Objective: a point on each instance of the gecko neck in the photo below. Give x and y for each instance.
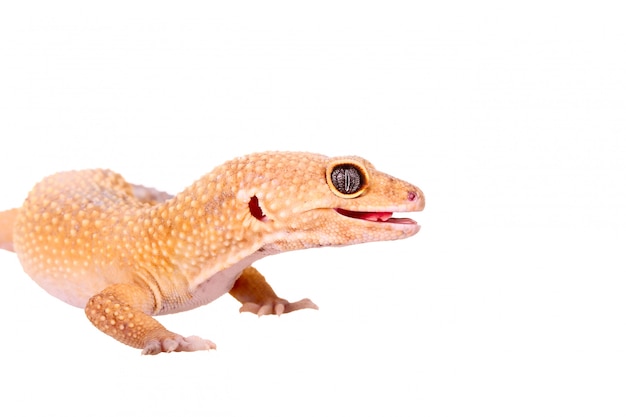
(203, 226)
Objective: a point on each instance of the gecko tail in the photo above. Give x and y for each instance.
(7, 222)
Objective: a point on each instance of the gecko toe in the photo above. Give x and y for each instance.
(277, 307)
(177, 344)
(300, 305)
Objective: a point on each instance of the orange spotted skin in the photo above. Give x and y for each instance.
(126, 253)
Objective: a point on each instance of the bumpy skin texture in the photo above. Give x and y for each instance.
(126, 253)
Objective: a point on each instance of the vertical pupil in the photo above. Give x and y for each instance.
(347, 179)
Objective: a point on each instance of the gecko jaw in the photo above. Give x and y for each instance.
(375, 216)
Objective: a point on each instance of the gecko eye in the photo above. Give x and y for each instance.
(346, 179)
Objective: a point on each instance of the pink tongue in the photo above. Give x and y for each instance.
(372, 216)
(376, 217)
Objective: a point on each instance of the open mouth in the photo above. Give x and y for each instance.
(374, 216)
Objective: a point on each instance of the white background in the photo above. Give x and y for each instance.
(509, 115)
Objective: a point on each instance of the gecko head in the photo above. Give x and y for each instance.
(309, 200)
(371, 197)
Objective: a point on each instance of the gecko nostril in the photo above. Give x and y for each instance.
(412, 196)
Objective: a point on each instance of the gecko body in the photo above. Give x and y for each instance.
(126, 253)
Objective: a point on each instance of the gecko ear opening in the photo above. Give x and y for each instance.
(346, 178)
(255, 209)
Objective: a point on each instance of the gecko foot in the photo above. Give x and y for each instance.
(276, 306)
(177, 343)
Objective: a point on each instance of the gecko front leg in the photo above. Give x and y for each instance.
(256, 296)
(120, 311)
